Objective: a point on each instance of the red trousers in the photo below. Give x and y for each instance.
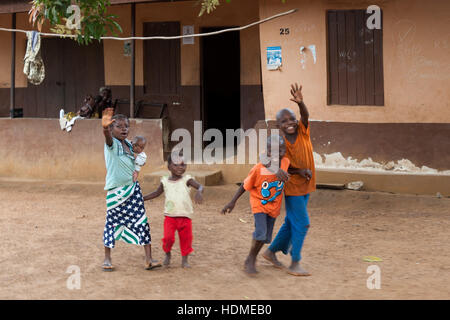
(184, 227)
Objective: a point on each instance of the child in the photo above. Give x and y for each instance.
(265, 188)
(125, 218)
(301, 183)
(104, 100)
(178, 207)
(87, 111)
(140, 157)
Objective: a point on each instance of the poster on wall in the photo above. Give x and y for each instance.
(187, 30)
(273, 58)
(127, 48)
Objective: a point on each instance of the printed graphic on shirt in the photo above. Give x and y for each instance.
(170, 206)
(266, 190)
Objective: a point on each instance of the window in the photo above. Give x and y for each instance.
(162, 59)
(355, 59)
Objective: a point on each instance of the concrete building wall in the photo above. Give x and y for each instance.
(416, 54)
(41, 150)
(5, 50)
(186, 12)
(5, 60)
(5, 54)
(117, 66)
(413, 124)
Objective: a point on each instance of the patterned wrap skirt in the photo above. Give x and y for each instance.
(126, 219)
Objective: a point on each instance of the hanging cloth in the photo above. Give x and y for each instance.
(33, 64)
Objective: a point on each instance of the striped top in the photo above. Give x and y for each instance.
(119, 195)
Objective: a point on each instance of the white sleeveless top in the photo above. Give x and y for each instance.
(178, 199)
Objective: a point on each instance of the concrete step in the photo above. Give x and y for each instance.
(335, 186)
(204, 177)
(395, 182)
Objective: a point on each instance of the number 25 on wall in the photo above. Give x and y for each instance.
(284, 31)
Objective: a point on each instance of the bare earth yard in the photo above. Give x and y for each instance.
(45, 227)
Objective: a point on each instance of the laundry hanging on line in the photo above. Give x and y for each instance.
(33, 63)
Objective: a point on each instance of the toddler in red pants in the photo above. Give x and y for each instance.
(178, 208)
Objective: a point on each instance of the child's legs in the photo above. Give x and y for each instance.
(185, 235)
(108, 240)
(283, 237)
(107, 254)
(299, 222)
(170, 226)
(263, 227)
(108, 233)
(148, 252)
(270, 223)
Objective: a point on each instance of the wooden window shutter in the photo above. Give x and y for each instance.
(162, 59)
(355, 59)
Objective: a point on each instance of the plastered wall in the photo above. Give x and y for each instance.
(41, 150)
(416, 54)
(117, 66)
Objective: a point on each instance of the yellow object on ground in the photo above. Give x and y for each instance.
(372, 259)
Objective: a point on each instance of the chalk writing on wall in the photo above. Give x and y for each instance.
(417, 56)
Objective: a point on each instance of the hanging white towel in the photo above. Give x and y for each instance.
(33, 64)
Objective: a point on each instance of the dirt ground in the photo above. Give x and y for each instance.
(45, 227)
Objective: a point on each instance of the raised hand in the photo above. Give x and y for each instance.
(106, 117)
(296, 93)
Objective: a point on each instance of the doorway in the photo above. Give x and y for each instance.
(220, 80)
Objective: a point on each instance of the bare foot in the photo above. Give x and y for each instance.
(296, 270)
(166, 261)
(249, 266)
(184, 262)
(271, 256)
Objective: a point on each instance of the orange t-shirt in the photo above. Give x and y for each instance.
(300, 154)
(266, 191)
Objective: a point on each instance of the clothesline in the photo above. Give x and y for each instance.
(162, 37)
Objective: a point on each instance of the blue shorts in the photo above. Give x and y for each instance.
(263, 227)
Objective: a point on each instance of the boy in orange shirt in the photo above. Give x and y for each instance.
(265, 183)
(301, 183)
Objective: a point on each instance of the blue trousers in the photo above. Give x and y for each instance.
(293, 231)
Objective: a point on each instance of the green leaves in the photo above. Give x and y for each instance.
(90, 15)
(208, 6)
(94, 21)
